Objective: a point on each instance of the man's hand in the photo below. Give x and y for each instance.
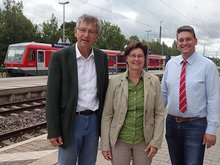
(56, 141)
(209, 140)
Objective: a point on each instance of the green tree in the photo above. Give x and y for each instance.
(17, 27)
(175, 50)
(14, 26)
(154, 47)
(111, 37)
(215, 60)
(3, 46)
(133, 39)
(69, 31)
(47, 32)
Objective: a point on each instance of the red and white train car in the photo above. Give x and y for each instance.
(31, 58)
(155, 62)
(118, 63)
(28, 58)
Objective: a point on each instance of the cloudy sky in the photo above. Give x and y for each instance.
(140, 17)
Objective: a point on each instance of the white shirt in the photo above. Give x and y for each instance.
(87, 82)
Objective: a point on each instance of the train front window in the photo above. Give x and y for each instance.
(15, 54)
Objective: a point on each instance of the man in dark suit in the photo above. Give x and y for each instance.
(76, 88)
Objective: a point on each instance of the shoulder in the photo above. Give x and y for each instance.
(150, 76)
(99, 52)
(173, 60)
(117, 79)
(64, 51)
(173, 64)
(205, 61)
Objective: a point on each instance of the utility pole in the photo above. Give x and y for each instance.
(64, 3)
(160, 31)
(160, 37)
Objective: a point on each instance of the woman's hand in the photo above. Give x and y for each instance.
(107, 155)
(152, 151)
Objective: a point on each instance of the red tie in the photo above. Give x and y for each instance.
(182, 95)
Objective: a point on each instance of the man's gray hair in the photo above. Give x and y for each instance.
(89, 19)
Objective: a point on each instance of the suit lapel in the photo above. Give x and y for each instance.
(99, 68)
(73, 70)
(124, 84)
(73, 64)
(147, 81)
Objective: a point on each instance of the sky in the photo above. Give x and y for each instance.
(142, 18)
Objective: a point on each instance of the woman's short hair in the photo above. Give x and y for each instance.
(135, 45)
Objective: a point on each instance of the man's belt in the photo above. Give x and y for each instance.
(182, 119)
(85, 113)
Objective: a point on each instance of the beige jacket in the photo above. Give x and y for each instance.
(115, 109)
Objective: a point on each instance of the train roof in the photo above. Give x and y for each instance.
(30, 43)
(111, 52)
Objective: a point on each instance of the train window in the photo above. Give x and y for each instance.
(31, 55)
(11, 53)
(15, 54)
(40, 56)
(121, 59)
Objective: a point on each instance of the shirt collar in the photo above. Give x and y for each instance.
(79, 55)
(142, 74)
(190, 60)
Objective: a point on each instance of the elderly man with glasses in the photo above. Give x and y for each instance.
(77, 83)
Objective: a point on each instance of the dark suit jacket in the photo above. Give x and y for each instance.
(62, 90)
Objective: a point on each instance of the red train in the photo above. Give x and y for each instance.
(31, 58)
(117, 61)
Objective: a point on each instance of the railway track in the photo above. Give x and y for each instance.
(21, 102)
(21, 120)
(21, 106)
(22, 131)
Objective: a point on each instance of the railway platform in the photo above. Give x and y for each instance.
(22, 88)
(19, 82)
(38, 151)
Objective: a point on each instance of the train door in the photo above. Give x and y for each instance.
(40, 61)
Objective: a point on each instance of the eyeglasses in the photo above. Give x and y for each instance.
(84, 31)
(139, 56)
